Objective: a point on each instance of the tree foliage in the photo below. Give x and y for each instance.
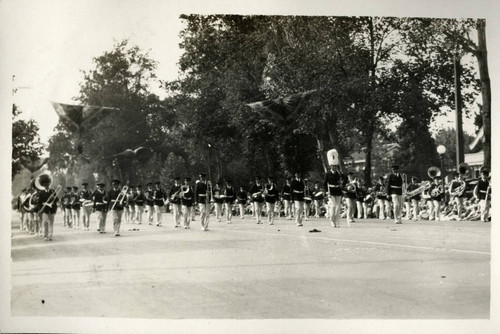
(26, 145)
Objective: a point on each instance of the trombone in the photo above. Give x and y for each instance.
(50, 201)
(121, 196)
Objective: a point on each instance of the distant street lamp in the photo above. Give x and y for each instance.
(441, 150)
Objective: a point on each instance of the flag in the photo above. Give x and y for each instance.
(281, 110)
(78, 117)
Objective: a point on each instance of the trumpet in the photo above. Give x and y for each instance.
(50, 201)
(121, 196)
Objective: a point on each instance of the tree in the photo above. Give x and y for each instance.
(120, 79)
(26, 146)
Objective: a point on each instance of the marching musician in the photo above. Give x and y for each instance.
(271, 194)
(241, 198)
(175, 201)
(229, 197)
(31, 206)
(149, 200)
(437, 193)
(361, 206)
(129, 209)
(350, 194)
(333, 184)
(117, 200)
(48, 200)
(307, 199)
(159, 198)
(286, 197)
(19, 207)
(413, 200)
(218, 200)
(202, 198)
(75, 207)
(186, 197)
(395, 191)
(139, 200)
(86, 203)
(100, 207)
(456, 189)
(256, 193)
(66, 207)
(482, 192)
(382, 201)
(318, 197)
(297, 191)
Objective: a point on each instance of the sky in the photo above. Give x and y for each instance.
(50, 42)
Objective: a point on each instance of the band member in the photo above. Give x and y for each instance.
(382, 202)
(256, 193)
(218, 200)
(75, 207)
(139, 200)
(456, 190)
(100, 207)
(159, 197)
(350, 193)
(369, 202)
(395, 190)
(482, 192)
(19, 206)
(149, 202)
(30, 208)
(333, 184)
(287, 199)
(361, 206)
(175, 201)
(241, 198)
(187, 198)
(48, 200)
(66, 206)
(117, 200)
(85, 197)
(129, 209)
(437, 193)
(202, 196)
(307, 199)
(414, 200)
(229, 197)
(271, 194)
(426, 196)
(318, 196)
(297, 190)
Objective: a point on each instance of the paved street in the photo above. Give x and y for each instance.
(373, 270)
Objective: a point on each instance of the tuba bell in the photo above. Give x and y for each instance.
(42, 178)
(433, 172)
(464, 169)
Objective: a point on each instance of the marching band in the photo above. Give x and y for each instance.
(341, 196)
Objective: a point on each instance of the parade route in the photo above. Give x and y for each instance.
(372, 270)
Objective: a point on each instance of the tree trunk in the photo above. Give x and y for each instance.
(482, 60)
(368, 160)
(321, 154)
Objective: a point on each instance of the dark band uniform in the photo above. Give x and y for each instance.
(297, 189)
(256, 193)
(201, 192)
(482, 188)
(44, 197)
(100, 200)
(412, 187)
(229, 195)
(333, 183)
(187, 197)
(272, 194)
(241, 196)
(175, 198)
(113, 195)
(395, 185)
(159, 197)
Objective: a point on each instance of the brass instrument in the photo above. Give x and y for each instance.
(50, 201)
(436, 191)
(464, 169)
(183, 190)
(121, 196)
(423, 187)
(351, 187)
(433, 172)
(459, 190)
